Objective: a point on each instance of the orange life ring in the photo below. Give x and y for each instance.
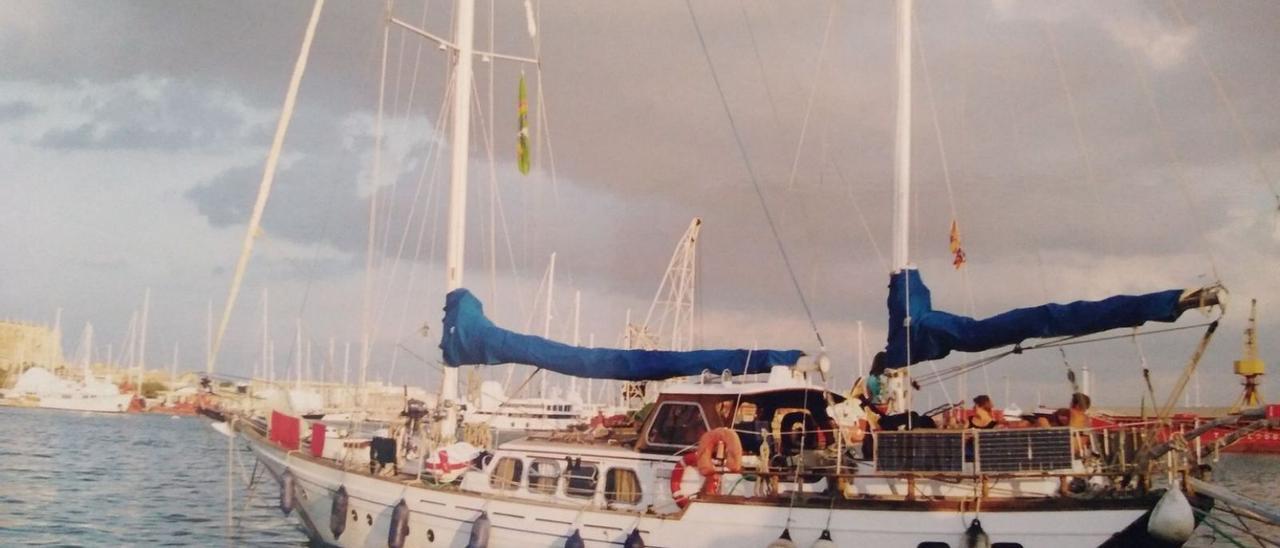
(708, 445)
(702, 461)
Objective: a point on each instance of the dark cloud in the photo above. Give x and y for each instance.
(16, 110)
(313, 200)
(152, 114)
(243, 45)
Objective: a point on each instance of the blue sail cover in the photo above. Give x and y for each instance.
(471, 339)
(935, 333)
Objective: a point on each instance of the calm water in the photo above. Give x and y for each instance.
(75, 479)
(72, 479)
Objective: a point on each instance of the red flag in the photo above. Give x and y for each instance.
(957, 251)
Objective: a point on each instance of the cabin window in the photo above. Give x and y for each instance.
(506, 474)
(544, 474)
(678, 424)
(581, 481)
(622, 486)
(746, 412)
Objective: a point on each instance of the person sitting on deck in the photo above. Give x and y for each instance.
(983, 416)
(873, 385)
(1079, 411)
(1077, 417)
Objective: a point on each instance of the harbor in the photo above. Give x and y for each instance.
(872, 273)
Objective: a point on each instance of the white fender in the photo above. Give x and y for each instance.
(1172, 519)
(783, 540)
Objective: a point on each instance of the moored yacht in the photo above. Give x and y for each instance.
(781, 462)
(742, 462)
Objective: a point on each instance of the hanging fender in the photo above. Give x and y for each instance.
(399, 528)
(338, 512)
(634, 540)
(575, 540)
(480, 532)
(975, 537)
(1172, 520)
(286, 492)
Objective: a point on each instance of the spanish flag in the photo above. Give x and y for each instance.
(522, 135)
(957, 251)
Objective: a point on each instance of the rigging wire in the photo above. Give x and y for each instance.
(1179, 167)
(417, 63)
(1082, 146)
(367, 312)
(755, 183)
(813, 92)
(862, 219)
(432, 160)
(755, 48)
(946, 175)
(1044, 288)
(951, 372)
(1223, 97)
(497, 211)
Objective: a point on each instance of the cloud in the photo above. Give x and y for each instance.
(16, 110)
(1163, 45)
(149, 113)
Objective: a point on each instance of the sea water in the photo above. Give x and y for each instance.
(81, 479)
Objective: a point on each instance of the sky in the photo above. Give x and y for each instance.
(1084, 149)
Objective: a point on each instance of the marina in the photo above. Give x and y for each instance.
(941, 198)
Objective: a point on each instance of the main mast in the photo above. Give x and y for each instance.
(902, 143)
(464, 31)
(902, 184)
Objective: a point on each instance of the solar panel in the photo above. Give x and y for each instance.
(919, 451)
(1024, 449)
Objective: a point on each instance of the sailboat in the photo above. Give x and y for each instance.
(742, 446)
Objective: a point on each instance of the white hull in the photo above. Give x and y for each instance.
(442, 517)
(97, 404)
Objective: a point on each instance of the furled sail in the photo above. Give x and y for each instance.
(934, 333)
(469, 338)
